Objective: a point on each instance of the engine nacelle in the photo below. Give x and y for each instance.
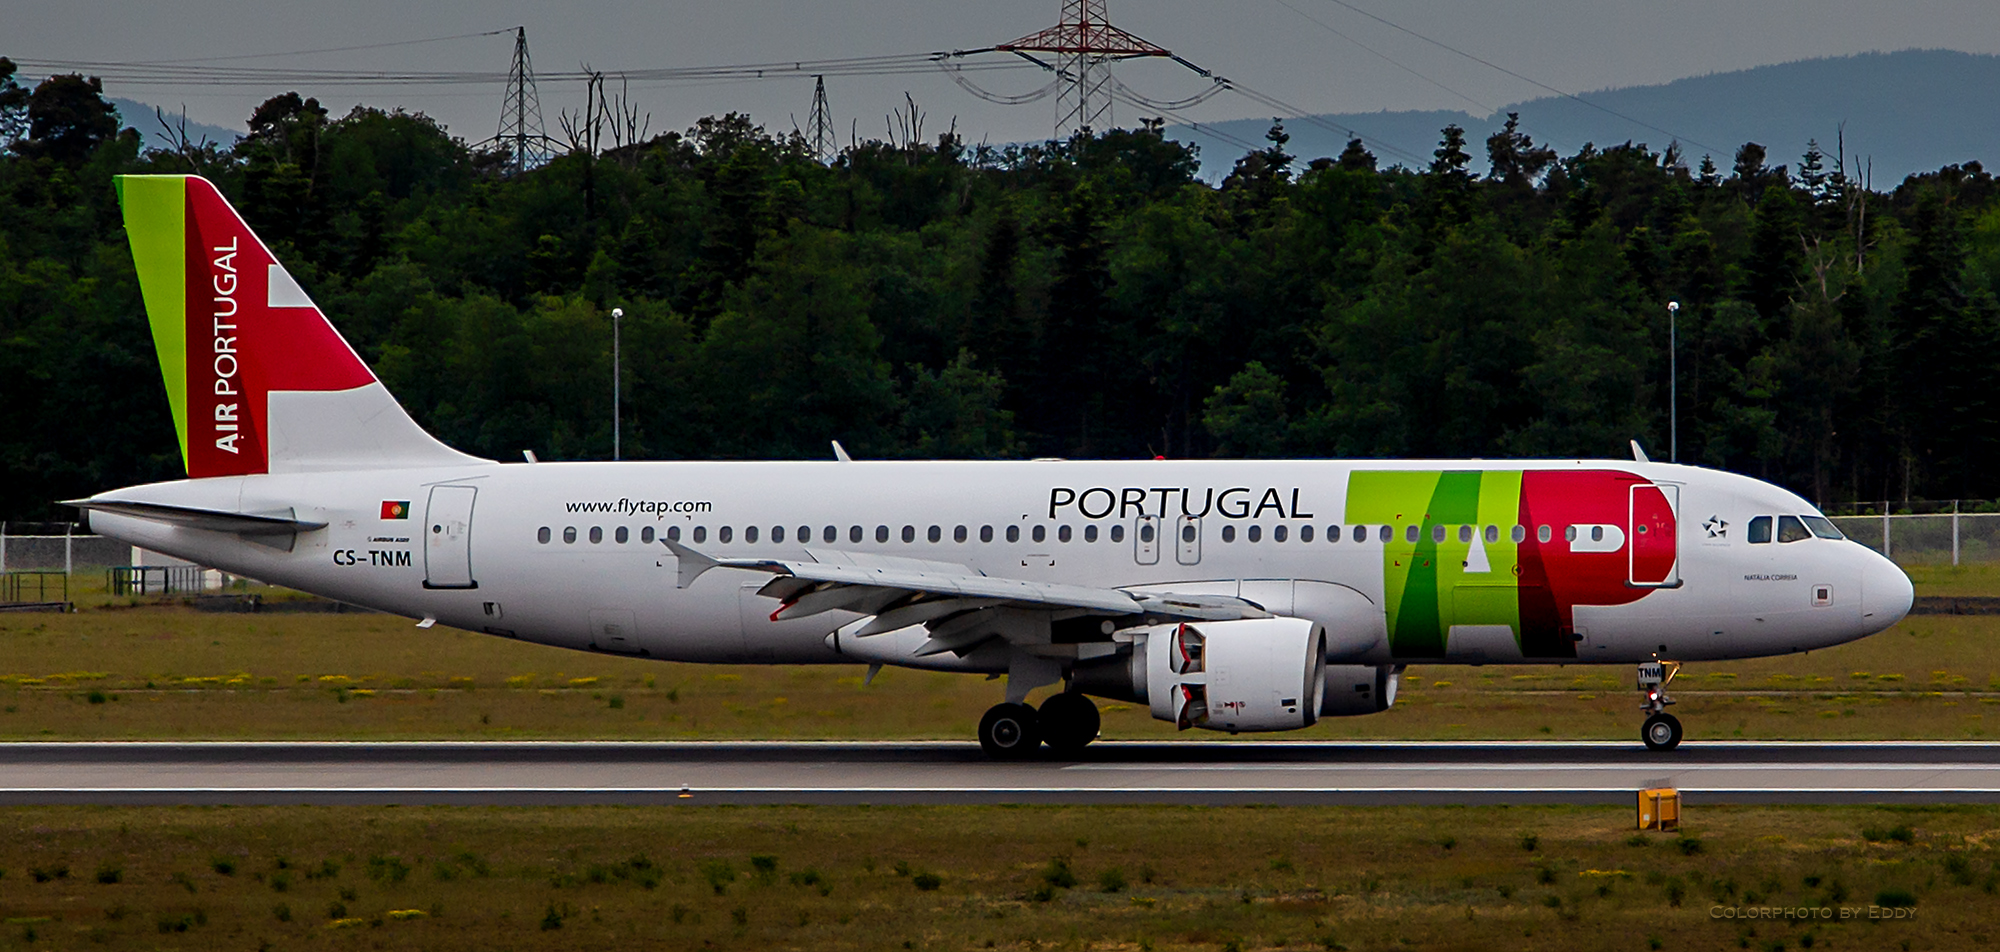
(1359, 689)
(1253, 674)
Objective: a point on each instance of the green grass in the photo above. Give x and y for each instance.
(919, 878)
(135, 668)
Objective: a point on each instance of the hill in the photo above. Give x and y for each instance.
(1908, 111)
(138, 115)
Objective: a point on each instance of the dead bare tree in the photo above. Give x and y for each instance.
(176, 135)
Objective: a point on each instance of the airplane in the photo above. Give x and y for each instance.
(1227, 595)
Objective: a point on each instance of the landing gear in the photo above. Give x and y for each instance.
(1068, 722)
(1010, 731)
(1662, 731)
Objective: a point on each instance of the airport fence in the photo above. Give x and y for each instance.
(1953, 537)
(42, 546)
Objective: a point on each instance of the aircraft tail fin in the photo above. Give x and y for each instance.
(259, 380)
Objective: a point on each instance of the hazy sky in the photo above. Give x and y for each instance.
(1272, 45)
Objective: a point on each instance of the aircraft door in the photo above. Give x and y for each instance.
(1187, 540)
(1146, 540)
(1652, 560)
(448, 538)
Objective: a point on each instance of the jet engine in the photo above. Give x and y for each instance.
(1261, 674)
(1255, 674)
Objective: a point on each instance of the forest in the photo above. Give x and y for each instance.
(917, 297)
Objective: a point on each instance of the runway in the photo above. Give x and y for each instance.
(557, 773)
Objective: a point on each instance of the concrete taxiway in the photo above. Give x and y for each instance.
(888, 773)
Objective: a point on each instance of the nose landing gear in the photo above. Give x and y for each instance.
(1662, 731)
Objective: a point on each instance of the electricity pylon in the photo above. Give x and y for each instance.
(1083, 41)
(819, 126)
(521, 113)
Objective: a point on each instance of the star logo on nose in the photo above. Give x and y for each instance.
(1717, 527)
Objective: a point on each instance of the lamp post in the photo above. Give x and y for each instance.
(616, 430)
(1673, 383)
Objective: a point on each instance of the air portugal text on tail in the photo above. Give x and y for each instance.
(1156, 583)
(259, 381)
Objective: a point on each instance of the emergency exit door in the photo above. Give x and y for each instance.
(448, 538)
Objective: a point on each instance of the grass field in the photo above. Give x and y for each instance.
(126, 668)
(1127, 878)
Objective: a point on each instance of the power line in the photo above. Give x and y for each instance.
(1534, 82)
(1322, 24)
(339, 49)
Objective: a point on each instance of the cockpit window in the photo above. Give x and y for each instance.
(1823, 527)
(1760, 530)
(1790, 529)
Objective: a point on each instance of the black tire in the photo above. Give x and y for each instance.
(1010, 732)
(1069, 722)
(1661, 732)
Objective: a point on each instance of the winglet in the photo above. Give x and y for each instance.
(840, 453)
(1638, 455)
(692, 563)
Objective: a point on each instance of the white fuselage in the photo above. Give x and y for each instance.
(572, 554)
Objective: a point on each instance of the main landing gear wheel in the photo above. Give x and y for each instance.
(1662, 732)
(1068, 722)
(1009, 731)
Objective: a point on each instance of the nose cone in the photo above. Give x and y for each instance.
(1886, 593)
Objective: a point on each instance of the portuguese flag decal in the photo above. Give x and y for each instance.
(395, 509)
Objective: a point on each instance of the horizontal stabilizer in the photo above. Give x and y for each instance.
(279, 522)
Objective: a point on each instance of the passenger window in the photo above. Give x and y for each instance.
(542, 535)
(1360, 533)
(1090, 533)
(1041, 533)
(1437, 533)
(1013, 533)
(1386, 533)
(1229, 533)
(596, 534)
(854, 533)
(805, 534)
(958, 534)
(1187, 533)
(1409, 533)
(1333, 533)
(882, 534)
(1823, 527)
(673, 533)
(985, 533)
(831, 535)
(1759, 531)
(1305, 534)
(1062, 534)
(909, 533)
(622, 536)
(777, 534)
(1519, 534)
(1465, 533)
(935, 534)
(646, 535)
(1118, 532)
(701, 533)
(1492, 534)
(1542, 534)
(1597, 533)
(1790, 529)
(1256, 533)
(749, 534)
(723, 534)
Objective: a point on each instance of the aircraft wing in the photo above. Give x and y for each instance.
(903, 591)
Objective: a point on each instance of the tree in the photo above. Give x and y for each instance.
(13, 105)
(67, 119)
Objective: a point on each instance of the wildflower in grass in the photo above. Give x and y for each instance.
(582, 682)
(402, 914)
